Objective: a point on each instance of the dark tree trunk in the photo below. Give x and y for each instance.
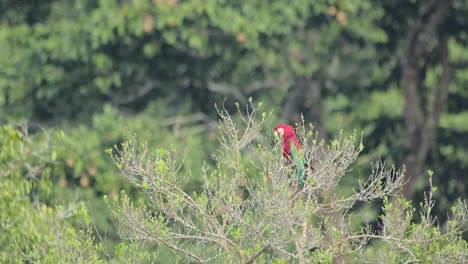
(291, 109)
(421, 124)
(306, 94)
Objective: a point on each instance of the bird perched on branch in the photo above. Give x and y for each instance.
(293, 154)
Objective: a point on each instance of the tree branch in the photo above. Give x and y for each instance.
(442, 89)
(128, 98)
(459, 64)
(256, 255)
(430, 16)
(420, 126)
(228, 89)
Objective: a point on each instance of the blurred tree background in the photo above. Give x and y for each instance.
(395, 71)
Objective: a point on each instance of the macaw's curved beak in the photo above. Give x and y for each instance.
(279, 133)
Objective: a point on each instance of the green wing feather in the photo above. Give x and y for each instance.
(300, 165)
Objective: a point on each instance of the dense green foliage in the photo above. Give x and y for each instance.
(102, 71)
(33, 230)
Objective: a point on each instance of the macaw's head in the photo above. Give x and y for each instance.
(284, 131)
(287, 134)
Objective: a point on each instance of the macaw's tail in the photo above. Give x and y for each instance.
(299, 178)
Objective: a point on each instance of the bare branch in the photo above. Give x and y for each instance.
(228, 90)
(256, 255)
(244, 207)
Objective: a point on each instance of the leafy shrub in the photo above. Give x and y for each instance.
(246, 211)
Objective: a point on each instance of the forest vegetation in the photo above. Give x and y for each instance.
(142, 131)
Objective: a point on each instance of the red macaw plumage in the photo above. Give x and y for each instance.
(292, 152)
(289, 138)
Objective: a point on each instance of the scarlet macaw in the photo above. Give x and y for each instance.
(292, 153)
